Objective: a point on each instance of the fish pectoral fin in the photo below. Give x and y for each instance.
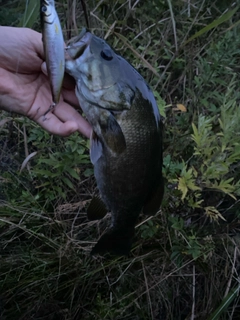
(96, 209)
(96, 148)
(113, 135)
(153, 203)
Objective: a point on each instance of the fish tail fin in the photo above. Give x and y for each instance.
(115, 242)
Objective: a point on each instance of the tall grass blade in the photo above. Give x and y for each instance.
(147, 64)
(225, 303)
(213, 24)
(173, 23)
(31, 14)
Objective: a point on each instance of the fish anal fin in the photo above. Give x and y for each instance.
(96, 209)
(153, 203)
(113, 135)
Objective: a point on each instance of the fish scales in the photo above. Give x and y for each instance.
(131, 164)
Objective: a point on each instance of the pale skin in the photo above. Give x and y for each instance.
(25, 88)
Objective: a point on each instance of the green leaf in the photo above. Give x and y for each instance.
(68, 183)
(73, 173)
(196, 137)
(161, 103)
(88, 172)
(224, 186)
(178, 224)
(187, 181)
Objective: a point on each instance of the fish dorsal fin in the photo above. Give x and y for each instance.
(153, 203)
(96, 209)
(96, 148)
(113, 135)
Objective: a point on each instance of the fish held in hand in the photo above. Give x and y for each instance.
(126, 142)
(53, 44)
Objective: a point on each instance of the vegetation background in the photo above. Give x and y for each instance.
(185, 262)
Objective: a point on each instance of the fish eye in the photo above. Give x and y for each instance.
(44, 8)
(106, 54)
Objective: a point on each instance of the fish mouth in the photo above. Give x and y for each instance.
(79, 44)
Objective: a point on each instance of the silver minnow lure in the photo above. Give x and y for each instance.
(53, 44)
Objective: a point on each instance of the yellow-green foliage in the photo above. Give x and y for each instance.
(216, 152)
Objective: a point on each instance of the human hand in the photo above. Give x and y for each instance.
(25, 89)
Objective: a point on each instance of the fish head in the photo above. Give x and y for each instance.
(100, 73)
(108, 88)
(47, 8)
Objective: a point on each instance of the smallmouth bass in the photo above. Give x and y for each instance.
(126, 142)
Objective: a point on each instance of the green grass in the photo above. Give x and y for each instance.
(185, 262)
